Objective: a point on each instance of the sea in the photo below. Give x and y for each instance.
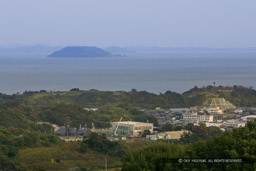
(152, 72)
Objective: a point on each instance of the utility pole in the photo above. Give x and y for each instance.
(106, 164)
(67, 130)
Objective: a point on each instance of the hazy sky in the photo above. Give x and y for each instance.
(169, 23)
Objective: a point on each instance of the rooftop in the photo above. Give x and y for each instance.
(249, 116)
(132, 123)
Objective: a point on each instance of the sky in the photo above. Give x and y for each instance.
(164, 23)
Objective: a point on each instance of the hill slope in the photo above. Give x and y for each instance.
(237, 95)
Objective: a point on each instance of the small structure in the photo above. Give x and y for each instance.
(151, 137)
(168, 135)
(173, 135)
(238, 111)
(130, 128)
(158, 108)
(91, 109)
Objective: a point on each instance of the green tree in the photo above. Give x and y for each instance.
(167, 127)
(146, 132)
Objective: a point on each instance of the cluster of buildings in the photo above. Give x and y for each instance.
(216, 112)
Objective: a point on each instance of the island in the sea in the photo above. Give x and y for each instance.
(81, 52)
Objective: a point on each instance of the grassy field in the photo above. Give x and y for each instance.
(66, 156)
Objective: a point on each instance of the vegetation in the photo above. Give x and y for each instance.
(13, 114)
(239, 144)
(74, 115)
(70, 156)
(13, 139)
(65, 114)
(200, 132)
(64, 156)
(167, 127)
(101, 144)
(238, 95)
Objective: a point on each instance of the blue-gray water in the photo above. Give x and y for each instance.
(154, 73)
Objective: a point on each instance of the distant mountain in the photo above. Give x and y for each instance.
(29, 49)
(120, 50)
(169, 50)
(81, 52)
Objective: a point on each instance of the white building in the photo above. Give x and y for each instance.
(209, 124)
(249, 117)
(238, 111)
(194, 118)
(130, 128)
(214, 110)
(234, 124)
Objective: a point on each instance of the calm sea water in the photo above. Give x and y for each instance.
(154, 73)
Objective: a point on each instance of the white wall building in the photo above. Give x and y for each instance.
(130, 128)
(194, 118)
(249, 117)
(235, 124)
(209, 124)
(214, 110)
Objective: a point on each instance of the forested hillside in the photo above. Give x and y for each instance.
(238, 95)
